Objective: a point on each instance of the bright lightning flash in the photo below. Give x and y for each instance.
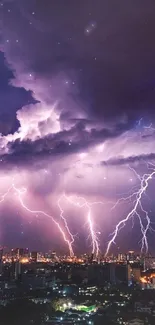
(66, 226)
(137, 206)
(19, 193)
(81, 202)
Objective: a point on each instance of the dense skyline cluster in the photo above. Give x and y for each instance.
(77, 96)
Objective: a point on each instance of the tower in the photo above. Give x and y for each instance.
(34, 256)
(17, 270)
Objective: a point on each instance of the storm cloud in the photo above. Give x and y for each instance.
(77, 94)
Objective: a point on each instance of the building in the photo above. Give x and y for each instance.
(109, 272)
(18, 253)
(147, 279)
(122, 273)
(34, 282)
(87, 290)
(15, 253)
(136, 273)
(130, 257)
(135, 321)
(121, 257)
(149, 263)
(18, 270)
(1, 261)
(34, 256)
(15, 271)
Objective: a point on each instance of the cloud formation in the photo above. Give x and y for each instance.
(52, 57)
(77, 96)
(129, 160)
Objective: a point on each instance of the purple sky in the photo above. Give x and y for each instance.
(77, 94)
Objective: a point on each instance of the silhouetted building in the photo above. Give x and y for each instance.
(99, 274)
(15, 253)
(130, 256)
(109, 272)
(136, 273)
(26, 252)
(91, 258)
(18, 253)
(34, 256)
(15, 271)
(1, 261)
(122, 273)
(53, 256)
(18, 270)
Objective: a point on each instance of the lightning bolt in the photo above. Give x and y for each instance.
(65, 221)
(137, 196)
(150, 127)
(22, 191)
(81, 202)
(3, 196)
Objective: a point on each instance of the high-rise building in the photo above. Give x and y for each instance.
(121, 257)
(109, 272)
(91, 258)
(53, 255)
(15, 253)
(26, 252)
(21, 252)
(131, 256)
(136, 273)
(99, 274)
(17, 270)
(18, 253)
(149, 262)
(123, 273)
(1, 261)
(1, 254)
(34, 256)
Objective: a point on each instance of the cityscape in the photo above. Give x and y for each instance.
(79, 290)
(77, 162)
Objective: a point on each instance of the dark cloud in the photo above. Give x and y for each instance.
(72, 102)
(118, 161)
(11, 99)
(24, 152)
(114, 66)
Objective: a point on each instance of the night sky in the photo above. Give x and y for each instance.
(77, 123)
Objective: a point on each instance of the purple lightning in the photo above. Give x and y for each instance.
(22, 191)
(65, 222)
(144, 182)
(81, 202)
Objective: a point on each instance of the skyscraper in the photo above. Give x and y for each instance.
(1, 261)
(34, 256)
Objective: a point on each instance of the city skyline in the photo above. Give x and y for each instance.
(77, 126)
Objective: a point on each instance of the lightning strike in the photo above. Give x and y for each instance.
(137, 196)
(69, 243)
(65, 221)
(5, 194)
(22, 191)
(81, 202)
